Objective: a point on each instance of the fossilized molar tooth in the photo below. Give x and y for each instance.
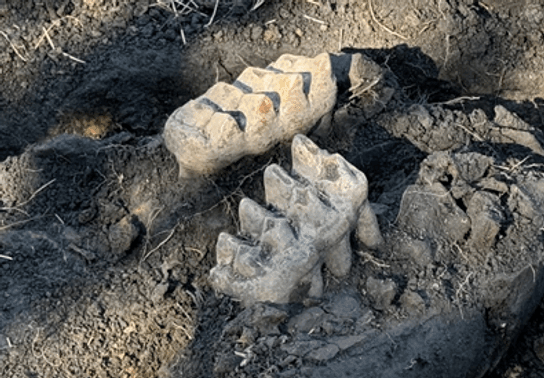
(321, 203)
(269, 271)
(261, 108)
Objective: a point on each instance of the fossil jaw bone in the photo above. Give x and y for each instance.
(317, 207)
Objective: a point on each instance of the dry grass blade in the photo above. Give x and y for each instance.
(213, 14)
(182, 35)
(458, 292)
(186, 8)
(476, 136)
(447, 55)
(172, 6)
(183, 329)
(60, 219)
(45, 31)
(225, 199)
(356, 91)
(160, 244)
(14, 209)
(533, 271)
(3, 228)
(45, 34)
(6, 257)
(172, 3)
(457, 100)
(73, 58)
(461, 252)
(371, 259)
(314, 19)
(48, 38)
(515, 166)
(201, 254)
(41, 188)
(257, 5)
(13, 47)
(87, 255)
(189, 317)
(382, 25)
(242, 60)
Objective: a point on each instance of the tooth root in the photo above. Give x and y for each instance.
(338, 258)
(226, 96)
(368, 229)
(316, 285)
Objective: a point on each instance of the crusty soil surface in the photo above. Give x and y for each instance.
(105, 252)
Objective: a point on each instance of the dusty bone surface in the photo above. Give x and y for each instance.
(261, 108)
(316, 207)
(294, 95)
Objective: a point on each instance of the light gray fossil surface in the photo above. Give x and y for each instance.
(261, 108)
(315, 208)
(294, 95)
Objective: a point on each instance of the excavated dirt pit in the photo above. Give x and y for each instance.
(105, 252)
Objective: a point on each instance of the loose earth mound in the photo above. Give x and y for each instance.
(105, 252)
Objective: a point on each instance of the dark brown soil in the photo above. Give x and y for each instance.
(104, 252)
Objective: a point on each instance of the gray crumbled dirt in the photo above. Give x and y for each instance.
(108, 252)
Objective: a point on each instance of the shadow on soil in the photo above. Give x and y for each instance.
(133, 82)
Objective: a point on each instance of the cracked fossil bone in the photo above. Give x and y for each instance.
(316, 209)
(261, 108)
